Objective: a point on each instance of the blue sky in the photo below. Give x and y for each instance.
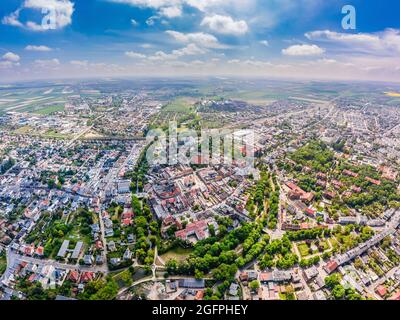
(270, 38)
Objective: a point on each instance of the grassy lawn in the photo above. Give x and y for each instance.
(126, 277)
(179, 254)
(325, 244)
(303, 249)
(56, 135)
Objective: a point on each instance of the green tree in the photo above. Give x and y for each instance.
(254, 285)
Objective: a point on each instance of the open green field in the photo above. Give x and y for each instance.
(32, 100)
(49, 109)
(51, 133)
(264, 97)
(303, 249)
(43, 100)
(179, 105)
(179, 254)
(325, 244)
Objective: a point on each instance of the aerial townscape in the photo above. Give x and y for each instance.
(85, 215)
(199, 150)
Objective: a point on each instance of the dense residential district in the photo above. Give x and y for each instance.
(84, 215)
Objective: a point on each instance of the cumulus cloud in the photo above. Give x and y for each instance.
(57, 15)
(225, 25)
(134, 22)
(38, 48)
(202, 39)
(386, 42)
(9, 60)
(175, 6)
(264, 43)
(303, 50)
(190, 50)
(171, 12)
(11, 57)
(12, 19)
(135, 55)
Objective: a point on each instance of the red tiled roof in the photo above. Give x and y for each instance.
(127, 222)
(39, 251)
(74, 276)
(396, 296)
(331, 266)
(381, 290)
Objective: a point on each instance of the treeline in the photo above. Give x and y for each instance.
(258, 195)
(138, 175)
(218, 254)
(279, 254)
(315, 155)
(146, 230)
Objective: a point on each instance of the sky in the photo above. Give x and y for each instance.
(300, 39)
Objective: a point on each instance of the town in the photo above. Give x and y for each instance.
(84, 214)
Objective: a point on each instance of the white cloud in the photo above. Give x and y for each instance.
(175, 5)
(151, 21)
(161, 55)
(205, 40)
(171, 12)
(327, 61)
(303, 50)
(12, 19)
(38, 48)
(7, 64)
(345, 37)
(134, 22)
(11, 57)
(225, 25)
(9, 60)
(189, 50)
(264, 43)
(386, 42)
(209, 5)
(165, 8)
(135, 55)
(59, 13)
(250, 63)
(80, 63)
(51, 63)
